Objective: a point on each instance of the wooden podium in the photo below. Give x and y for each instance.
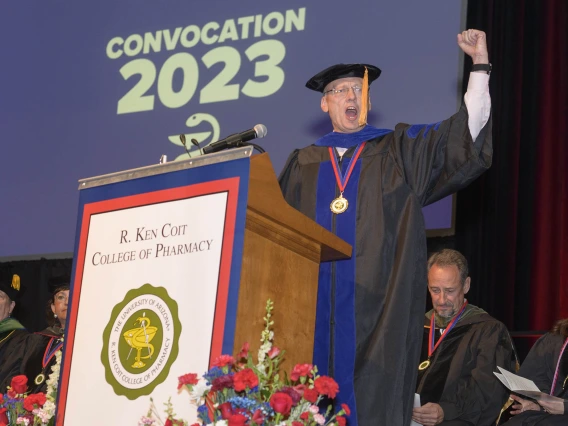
(282, 252)
(194, 248)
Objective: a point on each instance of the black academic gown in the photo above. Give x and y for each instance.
(460, 376)
(370, 308)
(539, 366)
(40, 357)
(13, 346)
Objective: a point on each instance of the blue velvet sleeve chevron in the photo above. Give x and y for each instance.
(415, 129)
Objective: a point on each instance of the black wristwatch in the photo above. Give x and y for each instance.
(482, 67)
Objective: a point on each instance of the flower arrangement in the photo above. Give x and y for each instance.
(17, 407)
(238, 392)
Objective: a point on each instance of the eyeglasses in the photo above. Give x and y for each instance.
(61, 297)
(344, 91)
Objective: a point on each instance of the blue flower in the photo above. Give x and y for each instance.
(213, 374)
(203, 414)
(243, 402)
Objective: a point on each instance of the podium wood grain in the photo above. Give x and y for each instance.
(282, 252)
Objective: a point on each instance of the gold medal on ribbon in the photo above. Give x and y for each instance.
(40, 378)
(431, 347)
(55, 344)
(339, 205)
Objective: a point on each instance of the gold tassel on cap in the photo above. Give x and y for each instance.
(364, 99)
(16, 282)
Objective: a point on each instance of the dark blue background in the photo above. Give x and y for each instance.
(59, 92)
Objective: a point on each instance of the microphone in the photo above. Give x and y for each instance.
(237, 139)
(182, 140)
(194, 141)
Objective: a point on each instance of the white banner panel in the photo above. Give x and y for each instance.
(146, 307)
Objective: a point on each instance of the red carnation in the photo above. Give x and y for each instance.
(311, 395)
(223, 360)
(326, 386)
(237, 420)
(258, 417)
(341, 421)
(187, 379)
(226, 410)
(292, 393)
(222, 382)
(305, 415)
(346, 408)
(297, 424)
(281, 403)
(245, 379)
(19, 384)
(301, 370)
(3, 416)
(244, 351)
(34, 399)
(300, 388)
(168, 423)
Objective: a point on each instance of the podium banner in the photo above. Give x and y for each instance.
(155, 286)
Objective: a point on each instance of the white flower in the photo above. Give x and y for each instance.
(263, 352)
(45, 413)
(43, 416)
(197, 394)
(222, 423)
(145, 421)
(49, 408)
(320, 420)
(52, 381)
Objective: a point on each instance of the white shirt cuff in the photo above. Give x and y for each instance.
(478, 102)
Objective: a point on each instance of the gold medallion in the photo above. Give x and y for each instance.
(424, 365)
(40, 378)
(339, 205)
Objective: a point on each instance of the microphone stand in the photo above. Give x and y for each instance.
(255, 146)
(240, 143)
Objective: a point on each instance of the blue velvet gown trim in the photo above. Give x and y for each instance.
(347, 140)
(344, 336)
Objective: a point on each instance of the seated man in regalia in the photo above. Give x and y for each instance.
(462, 347)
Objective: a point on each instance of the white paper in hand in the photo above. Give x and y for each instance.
(416, 405)
(521, 385)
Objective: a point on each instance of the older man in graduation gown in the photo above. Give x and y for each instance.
(368, 186)
(462, 347)
(13, 335)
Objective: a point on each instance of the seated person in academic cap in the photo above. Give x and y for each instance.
(462, 347)
(44, 345)
(547, 366)
(368, 186)
(13, 335)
